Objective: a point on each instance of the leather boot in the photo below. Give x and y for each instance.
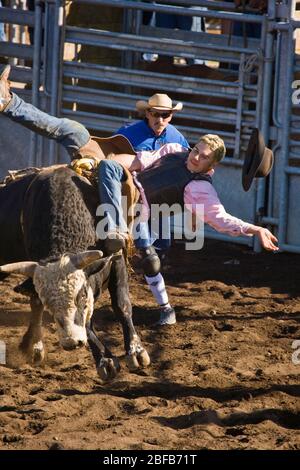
(91, 150)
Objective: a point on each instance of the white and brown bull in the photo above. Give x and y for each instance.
(49, 219)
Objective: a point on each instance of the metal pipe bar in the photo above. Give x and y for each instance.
(290, 248)
(46, 48)
(22, 51)
(188, 85)
(20, 74)
(97, 37)
(246, 113)
(15, 16)
(265, 115)
(183, 84)
(116, 103)
(36, 77)
(275, 117)
(98, 96)
(235, 162)
(216, 5)
(285, 137)
(58, 22)
(217, 40)
(271, 192)
(295, 156)
(93, 68)
(136, 5)
(208, 233)
(291, 170)
(269, 220)
(239, 108)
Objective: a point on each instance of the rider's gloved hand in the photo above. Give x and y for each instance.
(84, 164)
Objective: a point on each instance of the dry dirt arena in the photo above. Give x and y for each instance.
(221, 378)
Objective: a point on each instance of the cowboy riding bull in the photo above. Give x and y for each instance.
(48, 218)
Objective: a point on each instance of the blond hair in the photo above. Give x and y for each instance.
(216, 144)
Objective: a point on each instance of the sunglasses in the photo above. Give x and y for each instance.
(165, 115)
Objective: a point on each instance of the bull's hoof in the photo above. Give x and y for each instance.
(108, 369)
(144, 358)
(37, 356)
(33, 354)
(137, 360)
(132, 362)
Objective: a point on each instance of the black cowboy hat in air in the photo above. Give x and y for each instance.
(258, 161)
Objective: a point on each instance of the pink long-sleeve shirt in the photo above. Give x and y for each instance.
(198, 193)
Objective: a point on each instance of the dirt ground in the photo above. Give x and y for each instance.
(221, 378)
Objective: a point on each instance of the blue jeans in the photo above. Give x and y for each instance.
(111, 176)
(71, 134)
(162, 242)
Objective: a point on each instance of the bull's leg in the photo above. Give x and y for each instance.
(136, 354)
(106, 364)
(32, 341)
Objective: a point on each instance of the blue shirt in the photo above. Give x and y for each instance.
(142, 137)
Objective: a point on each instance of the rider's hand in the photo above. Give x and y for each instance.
(267, 239)
(84, 164)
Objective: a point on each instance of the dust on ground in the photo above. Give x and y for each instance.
(221, 378)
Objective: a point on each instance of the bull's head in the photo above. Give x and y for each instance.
(64, 290)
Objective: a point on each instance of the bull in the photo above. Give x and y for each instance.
(49, 219)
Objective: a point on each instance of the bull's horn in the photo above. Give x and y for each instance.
(82, 260)
(26, 268)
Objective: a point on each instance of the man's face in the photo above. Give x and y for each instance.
(158, 120)
(201, 159)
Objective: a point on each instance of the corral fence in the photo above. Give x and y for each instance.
(86, 60)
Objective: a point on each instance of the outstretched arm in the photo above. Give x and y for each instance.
(267, 239)
(205, 204)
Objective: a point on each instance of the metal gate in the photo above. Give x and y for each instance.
(33, 59)
(91, 69)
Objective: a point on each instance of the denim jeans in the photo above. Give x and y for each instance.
(111, 176)
(71, 134)
(163, 240)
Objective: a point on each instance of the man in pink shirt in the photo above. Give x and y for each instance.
(167, 176)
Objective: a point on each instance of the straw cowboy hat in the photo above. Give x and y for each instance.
(258, 161)
(160, 102)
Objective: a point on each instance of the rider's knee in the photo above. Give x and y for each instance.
(110, 168)
(150, 262)
(72, 134)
